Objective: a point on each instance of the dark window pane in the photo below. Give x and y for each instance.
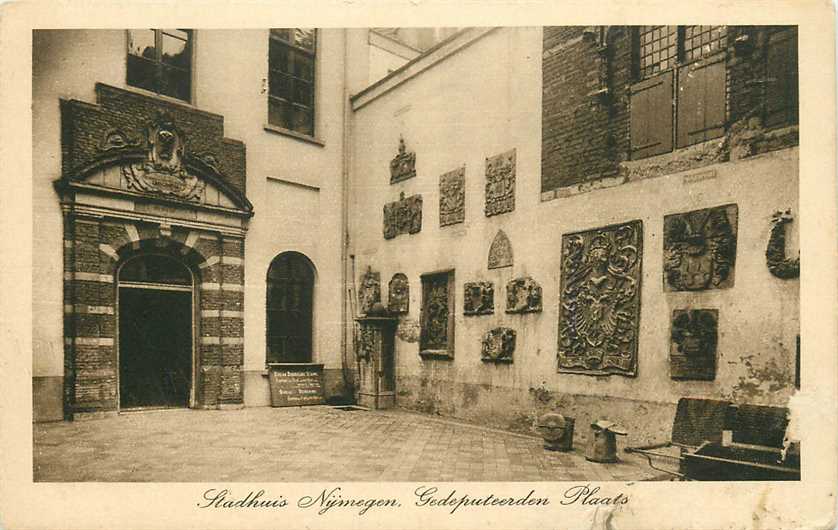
(303, 66)
(781, 96)
(303, 121)
(176, 52)
(289, 324)
(303, 93)
(155, 269)
(182, 34)
(280, 85)
(278, 58)
(284, 34)
(279, 113)
(175, 82)
(142, 73)
(141, 43)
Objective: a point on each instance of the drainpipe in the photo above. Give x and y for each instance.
(344, 228)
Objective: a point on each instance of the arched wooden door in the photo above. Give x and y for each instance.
(290, 299)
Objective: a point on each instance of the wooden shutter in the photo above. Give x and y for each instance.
(701, 101)
(781, 88)
(651, 116)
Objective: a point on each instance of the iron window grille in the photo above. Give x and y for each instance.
(160, 60)
(291, 71)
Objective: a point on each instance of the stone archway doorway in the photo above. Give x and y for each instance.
(156, 333)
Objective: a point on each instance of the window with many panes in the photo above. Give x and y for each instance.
(291, 62)
(436, 338)
(160, 60)
(289, 318)
(679, 98)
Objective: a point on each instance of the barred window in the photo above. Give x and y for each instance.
(703, 41)
(291, 66)
(160, 60)
(658, 46)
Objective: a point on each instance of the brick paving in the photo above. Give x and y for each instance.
(310, 444)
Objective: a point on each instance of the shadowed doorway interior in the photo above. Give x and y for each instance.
(155, 333)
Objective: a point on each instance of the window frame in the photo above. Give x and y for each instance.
(678, 68)
(158, 62)
(313, 54)
(272, 326)
(446, 353)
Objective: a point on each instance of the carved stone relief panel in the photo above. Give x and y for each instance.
(398, 300)
(452, 197)
(523, 295)
(692, 353)
(162, 171)
(437, 333)
(699, 249)
(403, 216)
(498, 346)
(479, 298)
(370, 291)
(403, 165)
(500, 183)
(500, 252)
(599, 312)
(775, 254)
(367, 342)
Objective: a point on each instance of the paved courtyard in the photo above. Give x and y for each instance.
(311, 444)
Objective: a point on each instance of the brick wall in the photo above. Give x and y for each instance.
(586, 136)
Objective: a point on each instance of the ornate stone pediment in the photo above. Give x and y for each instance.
(140, 147)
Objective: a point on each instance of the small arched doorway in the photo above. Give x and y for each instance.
(290, 297)
(155, 308)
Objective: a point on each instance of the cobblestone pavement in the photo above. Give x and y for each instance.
(311, 444)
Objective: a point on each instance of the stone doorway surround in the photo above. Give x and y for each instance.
(145, 175)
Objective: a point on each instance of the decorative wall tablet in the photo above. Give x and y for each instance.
(523, 295)
(500, 253)
(370, 292)
(398, 300)
(452, 197)
(403, 165)
(500, 183)
(403, 216)
(498, 345)
(599, 310)
(692, 353)
(775, 254)
(479, 298)
(699, 249)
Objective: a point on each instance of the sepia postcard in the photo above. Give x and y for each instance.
(411, 264)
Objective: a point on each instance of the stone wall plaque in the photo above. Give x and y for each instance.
(452, 197)
(599, 312)
(498, 346)
(370, 291)
(398, 299)
(523, 295)
(500, 253)
(775, 253)
(403, 216)
(437, 321)
(692, 353)
(500, 183)
(478, 298)
(296, 384)
(403, 165)
(699, 249)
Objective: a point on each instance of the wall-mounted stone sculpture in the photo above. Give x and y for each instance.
(500, 183)
(692, 354)
(500, 253)
(523, 295)
(403, 216)
(775, 254)
(599, 312)
(699, 249)
(398, 298)
(370, 291)
(403, 165)
(479, 298)
(367, 342)
(452, 197)
(498, 346)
